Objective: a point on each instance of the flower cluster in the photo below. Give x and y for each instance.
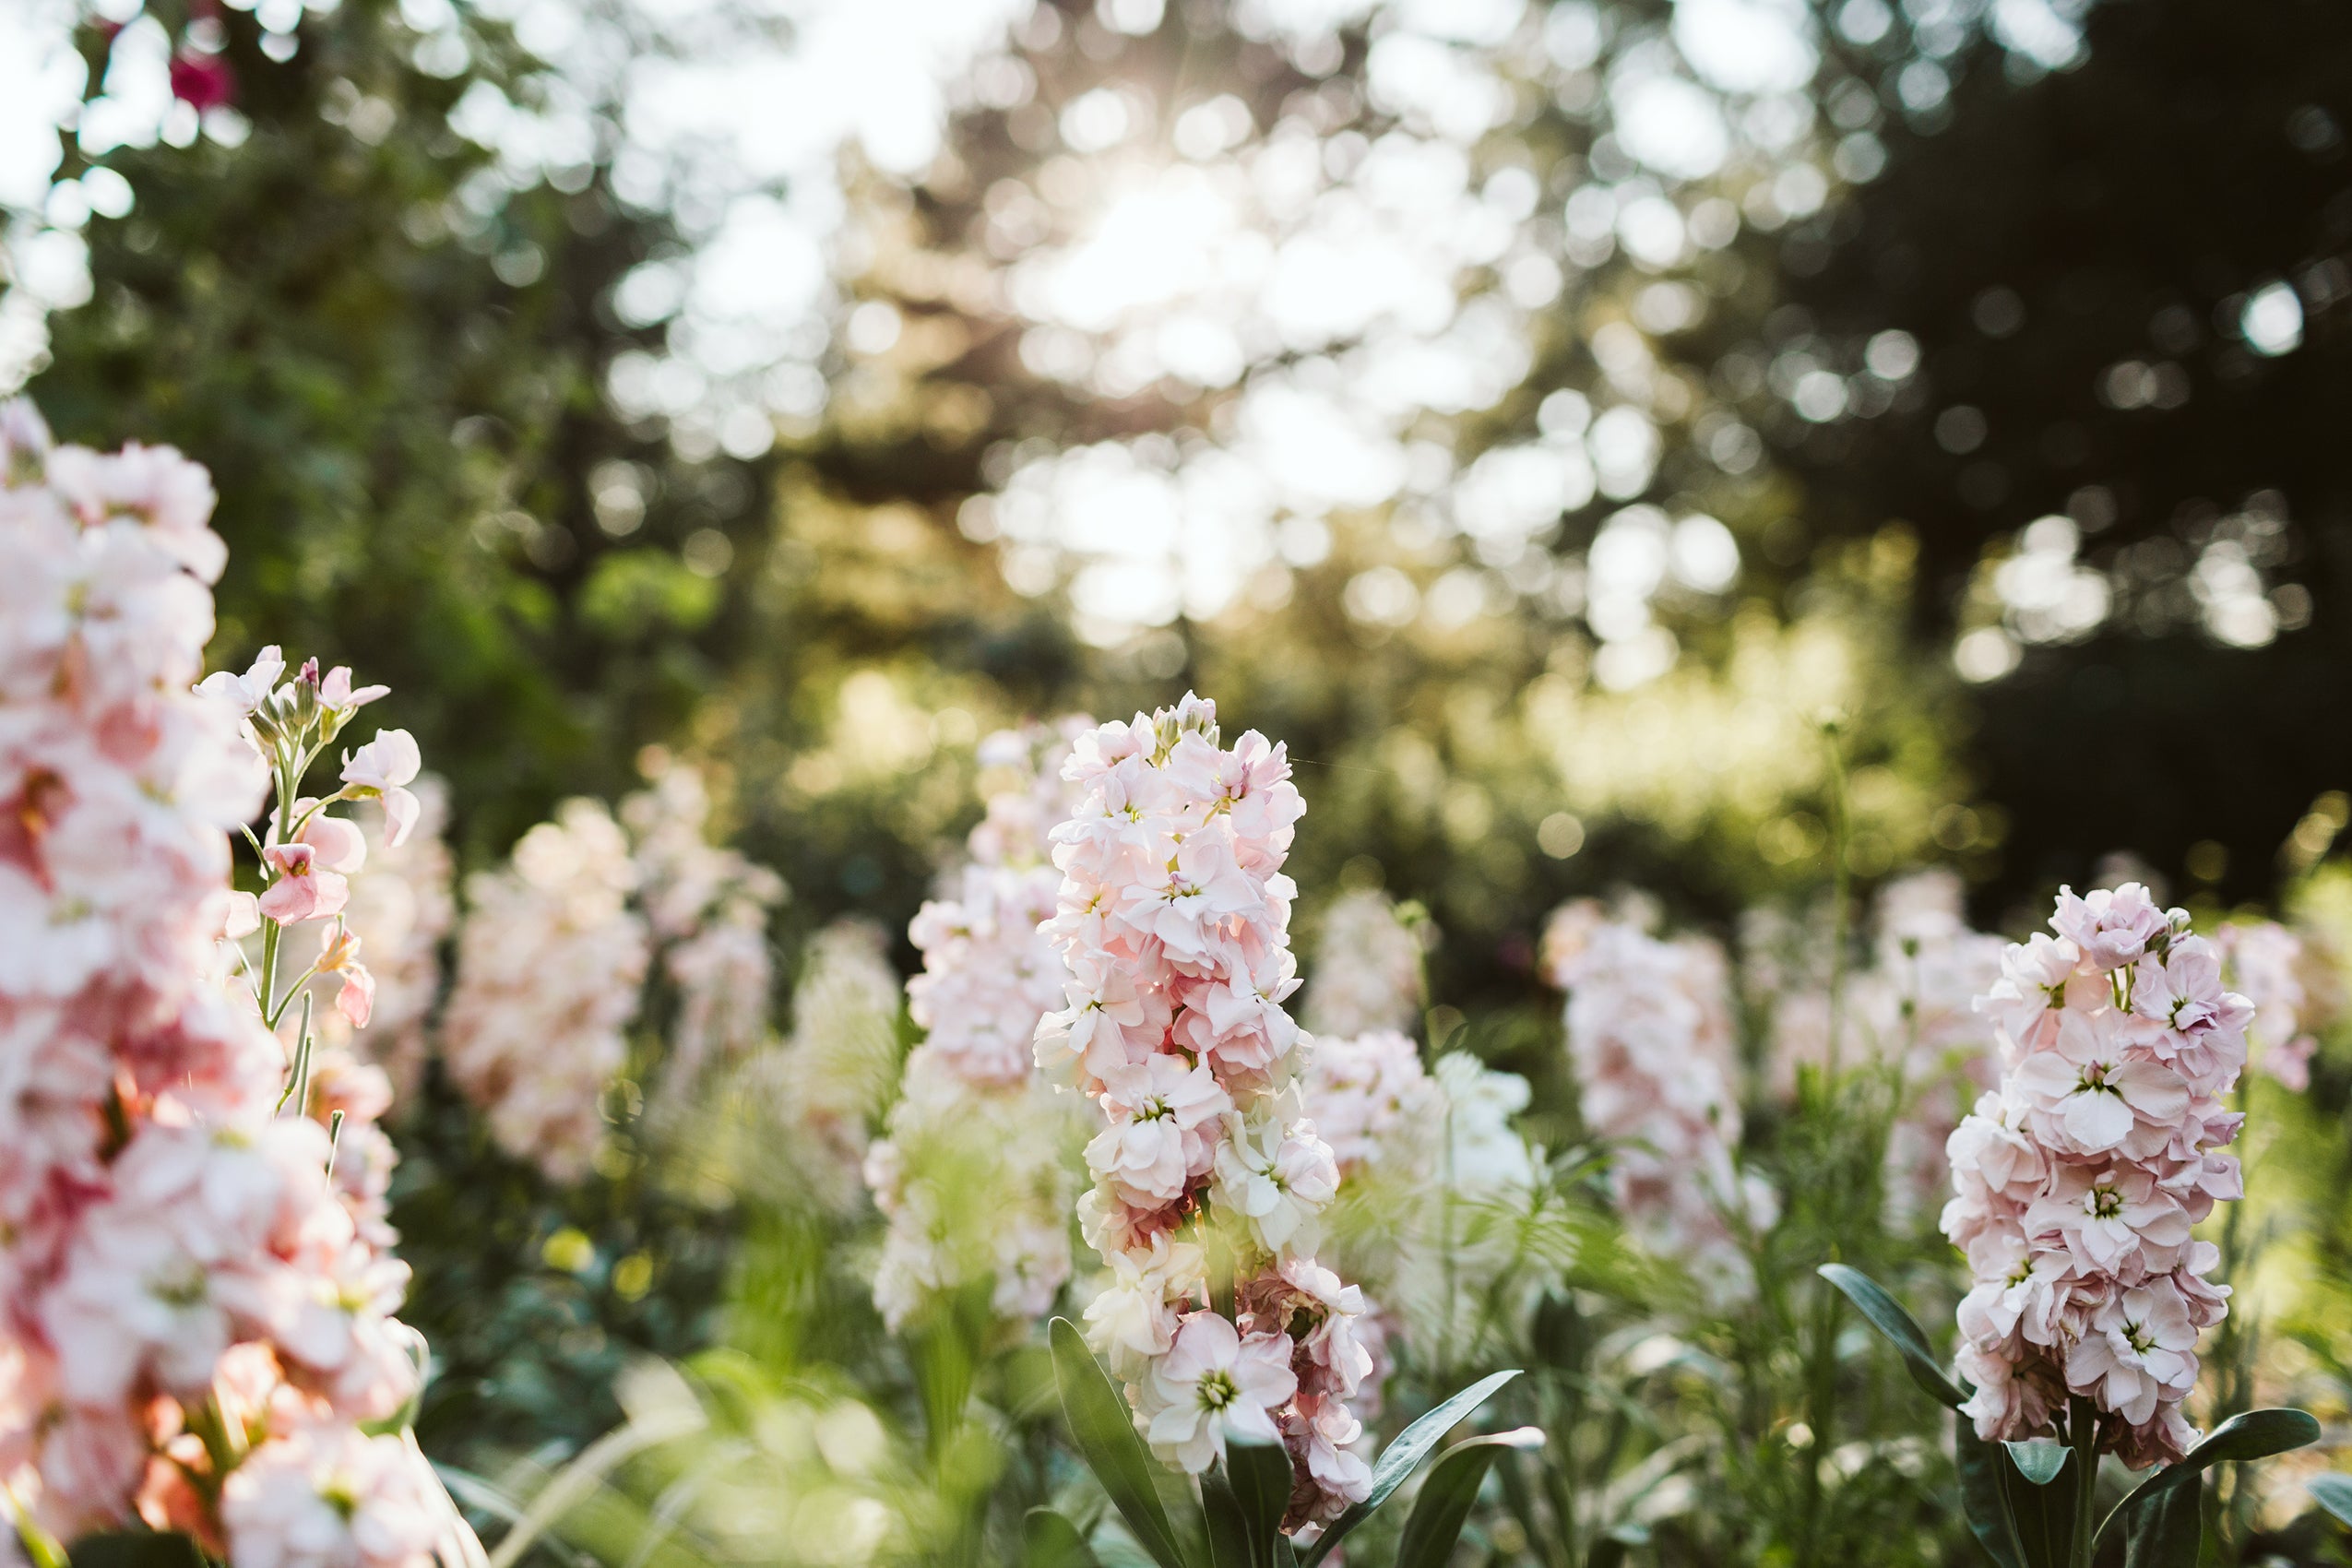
(551, 964)
(402, 907)
(1374, 1104)
(196, 1318)
(1650, 1045)
(1367, 968)
(2077, 1182)
(819, 1095)
(2266, 963)
(1910, 1012)
(969, 1170)
(1174, 917)
(707, 907)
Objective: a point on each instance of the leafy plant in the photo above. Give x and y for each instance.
(1242, 1499)
(2032, 1505)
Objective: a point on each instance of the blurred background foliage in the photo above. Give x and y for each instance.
(1543, 418)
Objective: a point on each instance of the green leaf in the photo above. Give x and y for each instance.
(1049, 1540)
(1446, 1497)
(136, 1548)
(2044, 1512)
(1607, 1552)
(1402, 1457)
(2039, 1460)
(1260, 1473)
(1886, 1315)
(2334, 1492)
(1109, 1442)
(1984, 1495)
(1228, 1528)
(2168, 1532)
(2257, 1434)
(40, 1547)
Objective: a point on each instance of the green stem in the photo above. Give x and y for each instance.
(271, 1009)
(298, 1084)
(1840, 892)
(2082, 1428)
(1820, 1409)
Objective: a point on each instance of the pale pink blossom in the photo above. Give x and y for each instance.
(333, 1498)
(2269, 963)
(1162, 1118)
(1650, 1042)
(336, 691)
(551, 962)
(157, 1208)
(1173, 919)
(304, 887)
(1367, 969)
(250, 690)
(1276, 1174)
(382, 770)
(2111, 928)
(1214, 1384)
(1133, 1319)
(1371, 1100)
(2076, 1187)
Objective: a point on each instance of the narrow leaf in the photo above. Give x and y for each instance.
(1261, 1475)
(2334, 1492)
(1886, 1315)
(1229, 1528)
(2168, 1532)
(1446, 1497)
(1108, 1441)
(40, 1547)
(1049, 1540)
(1402, 1457)
(1984, 1494)
(2039, 1460)
(2257, 1434)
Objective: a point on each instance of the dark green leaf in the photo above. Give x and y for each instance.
(2039, 1460)
(136, 1548)
(2044, 1513)
(1049, 1540)
(1228, 1528)
(1402, 1457)
(1984, 1494)
(1107, 1439)
(1886, 1315)
(1261, 1475)
(2334, 1492)
(1453, 1485)
(1607, 1552)
(2168, 1532)
(2257, 1434)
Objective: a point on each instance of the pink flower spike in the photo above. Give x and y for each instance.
(304, 890)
